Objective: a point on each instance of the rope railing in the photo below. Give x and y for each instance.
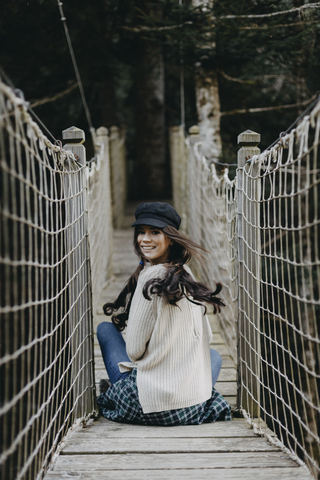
(208, 206)
(263, 231)
(50, 203)
(100, 216)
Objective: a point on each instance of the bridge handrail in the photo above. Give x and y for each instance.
(262, 228)
(55, 256)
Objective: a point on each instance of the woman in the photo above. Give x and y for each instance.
(164, 374)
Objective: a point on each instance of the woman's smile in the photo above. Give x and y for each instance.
(154, 244)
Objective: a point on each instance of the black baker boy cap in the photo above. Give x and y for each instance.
(157, 214)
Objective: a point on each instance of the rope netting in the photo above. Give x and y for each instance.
(263, 231)
(283, 355)
(100, 216)
(46, 338)
(208, 206)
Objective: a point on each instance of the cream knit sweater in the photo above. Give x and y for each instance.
(170, 347)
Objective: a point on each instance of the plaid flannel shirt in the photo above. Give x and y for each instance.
(121, 404)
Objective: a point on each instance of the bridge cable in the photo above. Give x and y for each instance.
(20, 94)
(75, 66)
(282, 134)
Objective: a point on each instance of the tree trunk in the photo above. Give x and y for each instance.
(108, 109)
(152, 172)
(208, 105)
(209, 113)
(301, 65)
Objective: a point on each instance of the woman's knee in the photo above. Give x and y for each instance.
(103, 328)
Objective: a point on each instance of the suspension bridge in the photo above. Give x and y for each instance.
(65, 249)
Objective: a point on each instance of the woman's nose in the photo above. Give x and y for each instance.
(146, 237)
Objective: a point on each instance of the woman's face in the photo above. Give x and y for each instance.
(154, 244)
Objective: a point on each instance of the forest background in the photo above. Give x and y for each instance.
(258, 61)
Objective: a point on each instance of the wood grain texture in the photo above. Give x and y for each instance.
(227, 361)
(232, 400)
(162, 461)
(109, 429)
(226, 388)
(275, 473)
(222, 349)
(91, 444)
(217, 339)
(227, 375)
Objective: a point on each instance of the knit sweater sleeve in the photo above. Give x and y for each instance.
(143, 315)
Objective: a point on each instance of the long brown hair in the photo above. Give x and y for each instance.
(176, 284)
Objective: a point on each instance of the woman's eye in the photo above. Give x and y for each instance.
(155, 232)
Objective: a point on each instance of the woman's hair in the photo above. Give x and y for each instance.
(176, 284)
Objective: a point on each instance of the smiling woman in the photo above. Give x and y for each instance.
(165, 372)
(154, 244)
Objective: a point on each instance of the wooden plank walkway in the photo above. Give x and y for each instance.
(222, 450)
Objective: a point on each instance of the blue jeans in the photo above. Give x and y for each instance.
(113, 349)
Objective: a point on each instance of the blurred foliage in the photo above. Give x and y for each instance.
(275, 57)
(261, 62)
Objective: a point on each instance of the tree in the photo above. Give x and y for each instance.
(127, 54)
(246, 57)
(267, 57)
(207, 94)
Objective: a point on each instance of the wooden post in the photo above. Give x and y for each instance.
(74, 137)
(76, 226)
(102, 136)
(194, 133)
(102, 140)
(195, 194)
(248, 187)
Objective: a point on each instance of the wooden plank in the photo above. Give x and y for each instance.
(107, 428)
(161, 461)
(85, 444)
(215, 327)
(100, 373)
(227, 375)
(213, 321)
(222, 349)
(217, 339)
(226, 388)
(231, 400)
(227, 361)
(150, 433)
(286, 473)
(99, 365)
(97, 353)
